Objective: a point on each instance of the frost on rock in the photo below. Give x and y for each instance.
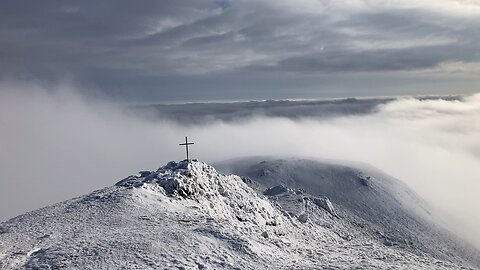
(282, 193)
(276, 190)
(324, 203)
(222, 196)
(364, 180)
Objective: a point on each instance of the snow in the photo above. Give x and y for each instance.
(222, 197)
(186, 215)
(382, 205)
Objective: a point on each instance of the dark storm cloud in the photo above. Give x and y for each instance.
(378, 60)
(130, 45)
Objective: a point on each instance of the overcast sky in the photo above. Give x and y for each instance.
(172, 50)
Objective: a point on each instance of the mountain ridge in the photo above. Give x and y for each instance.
(186, 215)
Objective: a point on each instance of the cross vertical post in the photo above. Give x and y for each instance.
(186, 146)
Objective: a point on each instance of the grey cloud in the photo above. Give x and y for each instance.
(384, 60)
(149, 41)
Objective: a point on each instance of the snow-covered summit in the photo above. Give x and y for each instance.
(224, 197)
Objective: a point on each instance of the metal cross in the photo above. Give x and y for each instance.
(186, 145)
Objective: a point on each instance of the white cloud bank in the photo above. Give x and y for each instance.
(55, 145)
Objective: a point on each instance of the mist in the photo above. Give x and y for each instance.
(56, 144)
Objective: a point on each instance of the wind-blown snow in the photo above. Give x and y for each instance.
(186, 215)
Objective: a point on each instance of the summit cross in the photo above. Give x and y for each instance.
(186, 145)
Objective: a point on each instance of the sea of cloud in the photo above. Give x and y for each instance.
(56, 144)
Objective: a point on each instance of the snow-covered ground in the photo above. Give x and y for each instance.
(381, 204)
(186, 215)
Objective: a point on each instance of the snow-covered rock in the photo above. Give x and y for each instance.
(276, 190)
(186, 215)
(223, 197)
(325, 203)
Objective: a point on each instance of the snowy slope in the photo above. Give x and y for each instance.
(380, 204)
(187, 216)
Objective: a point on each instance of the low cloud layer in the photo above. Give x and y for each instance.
(206, 113)
(55, 145)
